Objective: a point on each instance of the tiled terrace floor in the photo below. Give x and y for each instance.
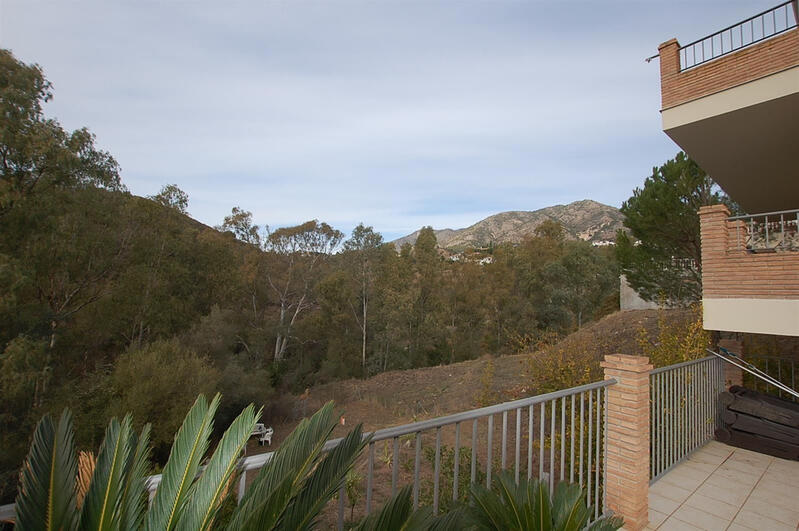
(722, 487)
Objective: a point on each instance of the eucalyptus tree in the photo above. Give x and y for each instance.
(363, 246)
(296, 254)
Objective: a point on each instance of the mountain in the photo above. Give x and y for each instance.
(586, 220)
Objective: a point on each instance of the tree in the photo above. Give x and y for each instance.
(662, 256)
(239, 222)
(173, 197)
(296, 253)
(364, 244)
(36, 153)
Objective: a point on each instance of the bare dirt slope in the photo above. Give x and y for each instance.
(400, 397)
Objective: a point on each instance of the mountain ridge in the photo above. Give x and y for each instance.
(586, 220)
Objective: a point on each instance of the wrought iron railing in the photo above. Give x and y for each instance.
(768, 232)
(783, 369)
(760, 27)
(684, 410)
(557, 436)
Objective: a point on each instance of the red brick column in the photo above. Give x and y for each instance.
(669, 53)
(715, 239)
(732, 374)
(627, 466)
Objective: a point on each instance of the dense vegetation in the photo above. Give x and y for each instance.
(112, 303)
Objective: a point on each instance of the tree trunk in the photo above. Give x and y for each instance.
(363, 338)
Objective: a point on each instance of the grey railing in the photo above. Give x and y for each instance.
(556, 436)
(783, 369)
(684, 410)
(754, 29)
(768, 232)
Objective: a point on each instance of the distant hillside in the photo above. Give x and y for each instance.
(585, 220)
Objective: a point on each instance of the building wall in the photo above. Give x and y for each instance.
(756, 61)
(743, 291)
(730, 272)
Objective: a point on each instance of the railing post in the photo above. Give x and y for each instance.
(732, 374)
(627, 465)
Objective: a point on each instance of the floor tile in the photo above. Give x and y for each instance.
(670, 491)
(661, 504)
(767, 508)
(716, 492)
(673, 524)
(701, 519)
(739, 527)
(656, 518)
(718, 508)
(759, 521)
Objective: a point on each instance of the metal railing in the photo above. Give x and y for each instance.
(684, 410)
(783, 369)
(768, 232)
(760, 27)
(559, 436)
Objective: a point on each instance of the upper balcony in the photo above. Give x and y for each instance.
(750, 271)
(731, 101)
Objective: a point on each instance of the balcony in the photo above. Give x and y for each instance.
(750, 271)
(730, 101)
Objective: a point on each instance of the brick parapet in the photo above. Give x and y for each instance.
(627, 464)
(753, 62)
(730, 271)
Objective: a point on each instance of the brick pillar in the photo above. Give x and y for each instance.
(732, 374)
(627, 466)
(715, 239)
(669, 53)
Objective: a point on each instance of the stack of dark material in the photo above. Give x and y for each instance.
(758, 422)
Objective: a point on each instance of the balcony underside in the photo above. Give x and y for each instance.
(756, 316)
(747, 139)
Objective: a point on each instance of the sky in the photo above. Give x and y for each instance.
(393, 113)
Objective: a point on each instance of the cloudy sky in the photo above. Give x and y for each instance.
(393, 113)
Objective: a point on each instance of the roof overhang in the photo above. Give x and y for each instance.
(747, 139)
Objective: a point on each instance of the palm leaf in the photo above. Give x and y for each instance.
(100, 509)
(568, 508)
(191, 443)
(543, 506)
(487, 510)
(325, 480)
(607, 523)
(289, 464)
(211, 487)
(393, 515)
(46, 498)
(135, 491)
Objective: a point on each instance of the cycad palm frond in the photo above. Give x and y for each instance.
(100, 509)
(282, 477)
(211, 488)
(134, 496)
(327, 478)
(528, 506)
(191, 444)
(46, 498)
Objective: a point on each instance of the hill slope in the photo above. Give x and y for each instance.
(399, 397)
(586, 220)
